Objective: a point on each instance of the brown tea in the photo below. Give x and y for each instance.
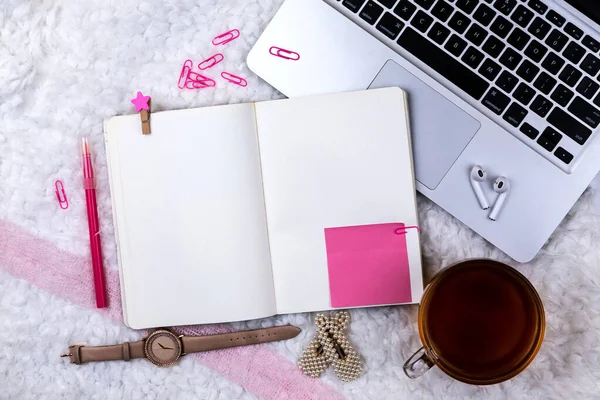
(482, 321)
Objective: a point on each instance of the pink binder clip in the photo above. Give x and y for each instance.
(211, 61)
(63, 202)
(234, 79)
(284, 53)
(226, 37)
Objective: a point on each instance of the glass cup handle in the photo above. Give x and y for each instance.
(418, 364)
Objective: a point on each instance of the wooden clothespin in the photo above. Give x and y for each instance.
(143, 106)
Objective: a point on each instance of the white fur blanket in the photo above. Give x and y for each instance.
(65, 66)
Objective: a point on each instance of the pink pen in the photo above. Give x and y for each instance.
(94, 227)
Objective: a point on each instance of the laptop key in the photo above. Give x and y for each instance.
(544, 83)
(505, 6)
(541, 106)
(390, 26)
(574, 52)
(426, 4)
(442, 10)
(557, 40)
(371, 12)
(518, 39)
(467, 5)
(510, 59)
(524, 94)
(569, 126)
(570, 75)
(587, 88)
(496, 101)
(507, 81)
(546, 143)
(476, 34)
(539, 28)
(597, 100)
(549, 139)
(585, 112)
(522, 16)
(490, 69)
(515, 114)
(473, 57)
(484, 15)
(551, 134)
(438, 33)
(501, 26)
(562, 95)
(422, 21)
(529, 131)
(353, 5)
(405, 9)
(553, 63)
(591, 65)
(459, 22)
(538, 6)
(456, 45)
(444, 64)
(591, 43)
(536, 51)
(573, 31)
(387, 3)
(493, 46)
(528, 71)
(563, 155)
(555, 18)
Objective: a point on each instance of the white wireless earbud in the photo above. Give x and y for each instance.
(478, 175)
(502, 187)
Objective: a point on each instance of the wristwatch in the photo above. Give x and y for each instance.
(164, 347)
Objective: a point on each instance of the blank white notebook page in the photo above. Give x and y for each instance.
(332, 161)
(190, 218)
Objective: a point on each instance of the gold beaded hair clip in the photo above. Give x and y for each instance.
(330, 346)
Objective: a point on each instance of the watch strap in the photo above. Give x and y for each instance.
(126, 351)
(195, 344)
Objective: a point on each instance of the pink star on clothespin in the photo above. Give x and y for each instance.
(141, 102)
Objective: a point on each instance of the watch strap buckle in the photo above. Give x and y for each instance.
(74, 354)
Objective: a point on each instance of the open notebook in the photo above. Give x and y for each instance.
(245, 211)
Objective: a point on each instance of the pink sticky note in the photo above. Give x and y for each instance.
(368, 265)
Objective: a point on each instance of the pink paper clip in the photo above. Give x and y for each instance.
(402, 231)
(193, 80)
(234, 79)
(211, 61)
(226, 37)
(198, 81)
(185, 72)
(63, 202)
(284, 53)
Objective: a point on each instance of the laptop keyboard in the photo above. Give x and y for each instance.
(521, 60)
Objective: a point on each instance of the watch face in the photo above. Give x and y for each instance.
(163, 347)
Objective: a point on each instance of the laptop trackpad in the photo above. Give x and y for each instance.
(440, 130)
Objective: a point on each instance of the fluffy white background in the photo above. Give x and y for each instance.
(67, 65)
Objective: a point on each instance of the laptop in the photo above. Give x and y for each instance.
(510, 85)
